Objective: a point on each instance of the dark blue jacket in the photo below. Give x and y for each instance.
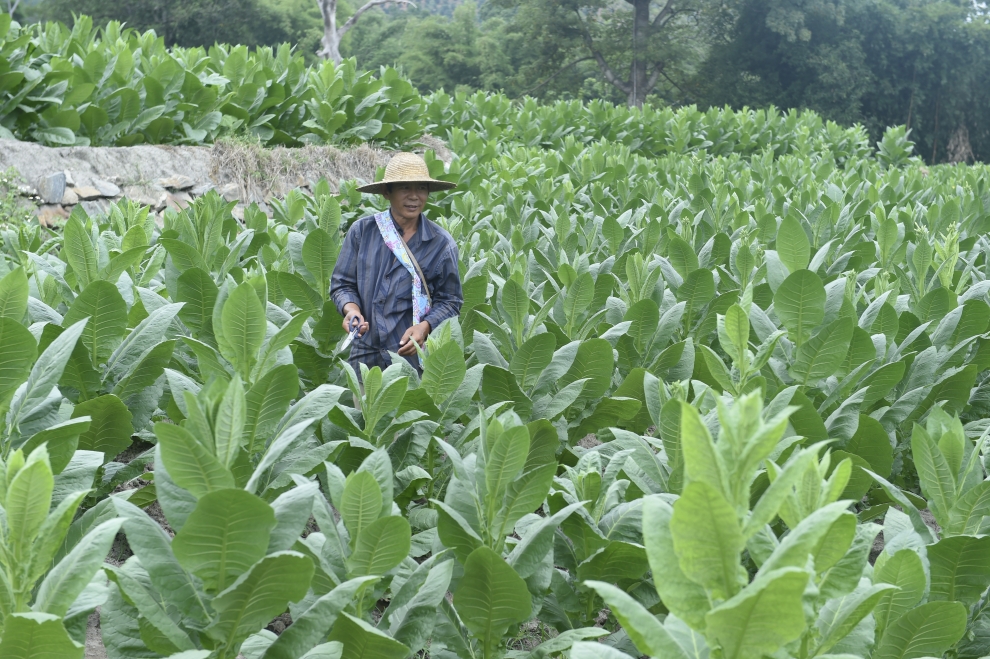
(368, 274)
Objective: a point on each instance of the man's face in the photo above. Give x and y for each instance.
(408, 199)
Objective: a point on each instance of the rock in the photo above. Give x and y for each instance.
(68, 178)
(87, 192)
(231, 192)
(106, 188)
(145, 195)
(178, 200)
(132, 164)
(95, 207)
(50, 214)
(51, 188)
(70, 198)
(177, 182)
(202, 189)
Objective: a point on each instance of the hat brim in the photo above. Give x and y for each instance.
(379, 187)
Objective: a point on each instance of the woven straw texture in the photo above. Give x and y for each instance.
(406, 168)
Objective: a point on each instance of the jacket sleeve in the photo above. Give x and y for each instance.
(445, 289)
(344, 282)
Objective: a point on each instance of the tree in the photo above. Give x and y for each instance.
(332, 35)
(183, 22)
(636, 46)
(455, 53)
(923, 63)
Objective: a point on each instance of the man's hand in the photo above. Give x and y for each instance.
(352, 311)
(417, 333)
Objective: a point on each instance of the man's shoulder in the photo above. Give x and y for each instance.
(362, 224)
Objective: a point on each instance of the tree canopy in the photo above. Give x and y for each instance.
(923, 63)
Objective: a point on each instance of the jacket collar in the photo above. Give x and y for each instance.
(425, 231)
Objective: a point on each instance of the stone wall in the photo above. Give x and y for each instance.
(161, 177)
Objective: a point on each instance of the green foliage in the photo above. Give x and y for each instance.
(695, 374)
(80, 86)
(50, 579)
(13, 209)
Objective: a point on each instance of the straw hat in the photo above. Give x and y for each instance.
(406, 168)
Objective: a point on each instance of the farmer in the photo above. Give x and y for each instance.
(396, 278)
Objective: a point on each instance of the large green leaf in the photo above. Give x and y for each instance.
(967, 514)
(498, 385)
(872, 443)
(506, 457)
(380, 546)
(793, 245)
(491, 597)
(188, 462)
(102, 303)
(299, 292)
(762, 617)
(319, 255)
(682, 255)
(73, 573)
(152, 546)
(259, 595)
(18, 354)
(413, 610)
(960, 569)
(244, 326)
(266, 402)
(702, 462)
(360, 503)
(906, 571)
(79, 252)
(682, 596)
(531, 358)
(800, 304)
(594, 360)
(644, 629)
(697, 290)
(515, 301)
(28, 498)
(150, 332)
(822, 355)
(224, 536)
(840, 616)
(308, 629)
(196, 289)
(14, 295)
(708, 539)
(579, 295)
(228, 426)
(47, 371)
(937, 480)
(362, 641)
(110, 428)
(38, 636)
(52, 535)
(444, 371)
(926, 631)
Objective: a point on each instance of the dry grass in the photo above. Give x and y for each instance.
(266, 173)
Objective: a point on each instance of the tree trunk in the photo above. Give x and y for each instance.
(638, 86)
(331, 38)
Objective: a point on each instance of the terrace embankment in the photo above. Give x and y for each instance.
(162, 176)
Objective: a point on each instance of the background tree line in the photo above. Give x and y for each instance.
(924, 63)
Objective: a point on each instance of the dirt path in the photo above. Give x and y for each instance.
(94, 641)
